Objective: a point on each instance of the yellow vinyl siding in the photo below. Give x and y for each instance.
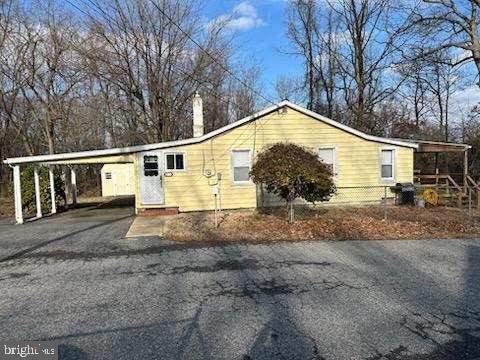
(357, 160)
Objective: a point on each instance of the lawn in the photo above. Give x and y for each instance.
(329, 223)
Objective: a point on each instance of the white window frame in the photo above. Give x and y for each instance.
(175, 161)
(232, 172)
(394, 161)
(335, 157)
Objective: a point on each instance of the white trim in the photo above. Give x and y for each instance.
(38, 201)
(52, 190)
(394, 162)
(249, 182)
(169, 144)
(17, 193)
(175, 161)
(73, 178)
(335, 157)
(443, 143)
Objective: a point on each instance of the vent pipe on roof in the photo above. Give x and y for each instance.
(197, 115)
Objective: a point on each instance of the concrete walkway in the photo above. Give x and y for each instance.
(148, 226)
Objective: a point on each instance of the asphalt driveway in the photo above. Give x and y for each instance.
(75, 280)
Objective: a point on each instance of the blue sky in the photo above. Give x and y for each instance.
(259, 35)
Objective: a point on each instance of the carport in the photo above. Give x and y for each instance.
(70, 160)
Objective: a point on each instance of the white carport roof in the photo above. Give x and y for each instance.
(133, 149)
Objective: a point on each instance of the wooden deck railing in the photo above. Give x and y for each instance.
(461, 193)
(448, 178)
(448, 182)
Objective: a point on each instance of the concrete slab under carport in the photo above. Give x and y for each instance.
(95, 227)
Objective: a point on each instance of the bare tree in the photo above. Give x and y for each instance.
(152, 65)
(53, 70)
(291, 88)
(446, 25)
(301, 30)
(244, 101)
(366, 54)
(414, 89)
(348, 46)
(327, 66)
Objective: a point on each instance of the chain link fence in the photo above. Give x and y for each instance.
(389, 201)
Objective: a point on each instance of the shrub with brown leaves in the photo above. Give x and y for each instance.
(292, 171)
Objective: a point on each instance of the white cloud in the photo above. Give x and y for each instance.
(244, 16)
(463, 101)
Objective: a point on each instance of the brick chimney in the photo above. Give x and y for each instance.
(197, 115)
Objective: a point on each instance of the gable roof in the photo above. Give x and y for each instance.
(169, 144)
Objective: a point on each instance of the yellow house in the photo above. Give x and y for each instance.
(194, 174)
(190, 174)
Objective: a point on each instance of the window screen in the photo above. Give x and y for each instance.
(150, 165)
(175, 161)
(387, 164)
(241, 165)
(327, 155)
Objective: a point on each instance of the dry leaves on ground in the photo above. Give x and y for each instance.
(331, 223)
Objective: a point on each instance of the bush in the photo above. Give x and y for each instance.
(292, 171)
(28, 188)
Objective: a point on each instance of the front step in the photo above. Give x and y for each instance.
(158, 211)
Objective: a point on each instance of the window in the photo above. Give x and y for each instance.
(327, 155)
(241, 166)
(150, 165)
(108, 176)
(387, 159)
(175, 161)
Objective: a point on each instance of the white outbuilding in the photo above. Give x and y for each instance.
(118, 179)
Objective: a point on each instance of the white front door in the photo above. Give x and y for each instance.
(151, 178)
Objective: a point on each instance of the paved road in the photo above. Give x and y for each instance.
(74, 279)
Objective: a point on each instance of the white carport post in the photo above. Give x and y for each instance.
(38, 202)
(73, 178)
(17, 193)
(52, 190)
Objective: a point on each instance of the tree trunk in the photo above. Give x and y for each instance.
(290, 210)
(50, 133)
